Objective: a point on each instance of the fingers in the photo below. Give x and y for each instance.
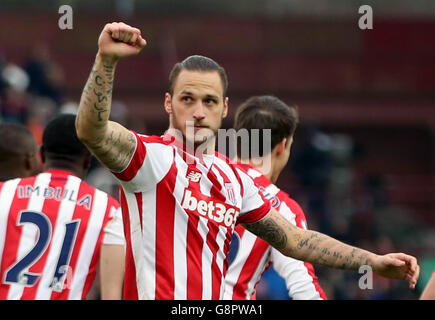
(122, 32)
(412, 277)
(413, 269)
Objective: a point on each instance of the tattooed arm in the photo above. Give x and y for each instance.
(318, 248)
(109, 141)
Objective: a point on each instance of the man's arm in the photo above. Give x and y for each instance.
(109, 141)
(318, 248)
(112, 261)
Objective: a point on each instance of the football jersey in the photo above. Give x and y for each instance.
(52, 226)
(179, 214)
(253, 256)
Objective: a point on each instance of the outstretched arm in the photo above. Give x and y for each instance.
(109, 141)
(318, 248)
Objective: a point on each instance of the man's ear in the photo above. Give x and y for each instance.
(168, 103)
(225, 112)
(280, 147)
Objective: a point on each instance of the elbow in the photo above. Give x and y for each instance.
(81, 134)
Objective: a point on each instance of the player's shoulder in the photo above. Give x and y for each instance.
(294, 206)
(164, 139)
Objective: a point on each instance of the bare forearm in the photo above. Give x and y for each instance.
(309, 246)
(94, 109)
(110, 142)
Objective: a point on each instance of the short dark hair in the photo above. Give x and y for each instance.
(60, 138)
(15, 139)
(266, 112)
(197, 63)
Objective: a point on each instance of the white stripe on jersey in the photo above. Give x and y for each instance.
(180, 229)
(147, 245)
(90, 239)
(145, 277)
(207, 258)
(67, 209)
(6, 197)
(29, 231)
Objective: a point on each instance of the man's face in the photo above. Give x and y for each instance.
(197, 105)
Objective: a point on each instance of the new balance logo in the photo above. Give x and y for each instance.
(194, 176)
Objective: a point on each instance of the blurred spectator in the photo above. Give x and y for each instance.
(46, 77)
(41, 110)
(14, 82)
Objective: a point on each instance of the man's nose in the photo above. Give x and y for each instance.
(199, 111)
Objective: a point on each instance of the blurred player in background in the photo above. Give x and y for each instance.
(253, 256)
(55, 230)
(18, 152)
(429, 290)
(180, 199)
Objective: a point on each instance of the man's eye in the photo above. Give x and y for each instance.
(187, 99)
(210, 101)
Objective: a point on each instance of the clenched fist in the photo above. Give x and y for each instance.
(119, 40)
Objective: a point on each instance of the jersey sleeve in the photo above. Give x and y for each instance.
(114, 229)
(150, 162)
(299, 276)
(254, 205)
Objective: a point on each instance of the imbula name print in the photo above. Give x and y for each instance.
(220, 309)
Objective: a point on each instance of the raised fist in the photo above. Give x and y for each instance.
(119, 40)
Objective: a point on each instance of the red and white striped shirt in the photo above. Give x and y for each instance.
(51, 229)
(179, 214)
(253, 256)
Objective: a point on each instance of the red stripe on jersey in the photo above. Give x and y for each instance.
(165, 215)
(130, 287)
(13, 234)
(80, 213)
(212, 243)
(139, 207)
(217, 276)
(249, 268)
(94, 263)
(51, 210)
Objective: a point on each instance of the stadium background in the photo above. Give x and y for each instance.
(363, 161)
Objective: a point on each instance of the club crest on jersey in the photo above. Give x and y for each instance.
(230, 192)
(194, 176)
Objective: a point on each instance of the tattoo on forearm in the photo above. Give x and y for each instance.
(327, 251)
(270, 231)
(112, 144)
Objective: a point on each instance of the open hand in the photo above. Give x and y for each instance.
(398, 266)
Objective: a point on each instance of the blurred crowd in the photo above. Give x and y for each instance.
(320, 170)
